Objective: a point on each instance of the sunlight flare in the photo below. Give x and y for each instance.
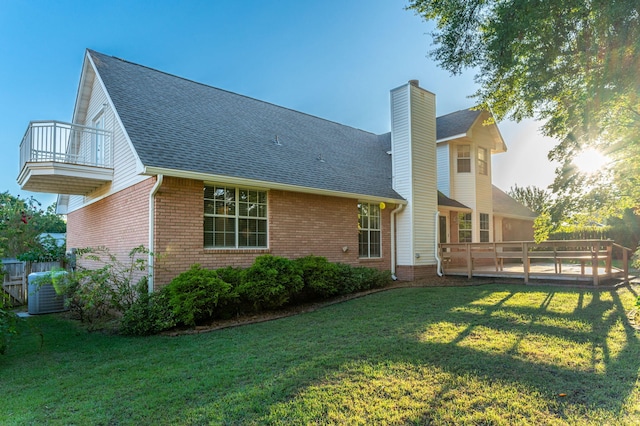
(590, 161)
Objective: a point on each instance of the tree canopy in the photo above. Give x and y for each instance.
(22, 221)
(572, 64)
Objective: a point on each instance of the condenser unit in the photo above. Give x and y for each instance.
(42, 297)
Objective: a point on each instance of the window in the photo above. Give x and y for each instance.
(484, 228)
(464, 158)
(483, 169)
(234, 217)
(464, 227)
(369, 230)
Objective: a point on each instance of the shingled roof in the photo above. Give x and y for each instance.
(455, 123)
(504, 205)
(177, 124)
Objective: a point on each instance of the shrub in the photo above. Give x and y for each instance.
(230, 275)
(197, 294)
(321, 277)
(95, 294)
(150, 314)
(270, 282)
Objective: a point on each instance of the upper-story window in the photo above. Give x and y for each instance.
(464, 158)
(369, 237)
(483, 164)
(234, 217)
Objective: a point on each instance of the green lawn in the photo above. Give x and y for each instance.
(493, 354)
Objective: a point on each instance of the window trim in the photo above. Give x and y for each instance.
(485, 231)
(369, 230)
(483, 163)
(236, 216)
(462, 219)
(463, 149)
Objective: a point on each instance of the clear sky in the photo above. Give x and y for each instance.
(336, 59)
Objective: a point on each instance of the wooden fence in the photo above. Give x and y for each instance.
(14, 282)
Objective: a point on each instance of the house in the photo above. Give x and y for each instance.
(202, 175)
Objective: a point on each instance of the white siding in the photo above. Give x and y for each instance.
(413, 141)
(401, 160)
(444, 171)
(124, 160)
(425, 196)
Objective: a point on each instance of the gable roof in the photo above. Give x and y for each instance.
(456, 123)
(183, 127)
(504, 205)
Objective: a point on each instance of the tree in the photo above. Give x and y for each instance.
(21, 223)
(571, 64)
(537, 199)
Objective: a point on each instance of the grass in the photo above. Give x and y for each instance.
(493, 354)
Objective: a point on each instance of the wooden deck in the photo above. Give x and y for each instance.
(576, 260)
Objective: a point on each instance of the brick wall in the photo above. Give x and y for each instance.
(299, 225)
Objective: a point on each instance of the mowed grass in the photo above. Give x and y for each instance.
(493, 354)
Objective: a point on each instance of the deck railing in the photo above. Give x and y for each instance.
(55, 141)
(477, 258)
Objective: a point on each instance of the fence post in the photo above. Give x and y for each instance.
(525, 261)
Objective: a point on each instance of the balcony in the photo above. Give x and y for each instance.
(63, 158)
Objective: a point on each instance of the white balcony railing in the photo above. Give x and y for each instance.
(57, 142)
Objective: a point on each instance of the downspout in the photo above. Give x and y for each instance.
(152, 223)
(393, 240)
(439, 265)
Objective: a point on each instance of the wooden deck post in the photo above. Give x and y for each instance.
(594, 263)
(469, 260)
(525, 261)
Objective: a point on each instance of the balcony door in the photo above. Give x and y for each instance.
(98, 140)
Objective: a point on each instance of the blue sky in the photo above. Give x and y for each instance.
(336, 59)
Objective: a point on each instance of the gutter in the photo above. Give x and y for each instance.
(439, 264)
(152, 223)
(393, 240)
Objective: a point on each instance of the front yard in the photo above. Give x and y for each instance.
(492, 354)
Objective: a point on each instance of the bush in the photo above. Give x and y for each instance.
(321, 277)
(355, 279)
(151, 313)
(94, 295)
(270, 282)
(230, 275)
(197, 294)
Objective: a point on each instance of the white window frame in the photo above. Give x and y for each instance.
(465, 227)
(369, 230)
(463, 156)
(98, 154)
(236, 208)
(483, 161)
(484, 227)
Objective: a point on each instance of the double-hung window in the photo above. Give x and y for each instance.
(464, 227)
(464, 158)
(483, 164)
(369, 236)
(484, 227)
(234, 217)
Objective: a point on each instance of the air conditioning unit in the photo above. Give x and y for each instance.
(42, 298)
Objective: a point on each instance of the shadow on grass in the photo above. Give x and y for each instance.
(540, 358)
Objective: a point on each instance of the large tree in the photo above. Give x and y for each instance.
(572, 64)
(22, 221)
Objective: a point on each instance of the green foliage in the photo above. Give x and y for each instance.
(271, 282)
(21, 223)
(149, 314)
(565, 63)
(95, 295)
(542, 227)
(537, 199)
(321, 277)
(198, 295)
(47, 251)
(9, 322)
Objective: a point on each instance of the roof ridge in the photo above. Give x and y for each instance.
(208, 86)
